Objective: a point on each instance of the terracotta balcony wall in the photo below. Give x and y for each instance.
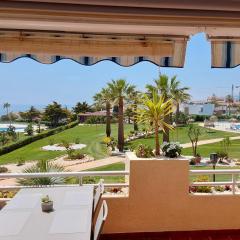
(159, 201)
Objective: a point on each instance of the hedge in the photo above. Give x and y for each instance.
(39, 136)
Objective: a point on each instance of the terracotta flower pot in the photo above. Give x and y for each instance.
(47, 206)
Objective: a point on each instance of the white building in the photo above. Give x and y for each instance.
(199, 108)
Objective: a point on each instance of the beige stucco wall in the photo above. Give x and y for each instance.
(159, 201)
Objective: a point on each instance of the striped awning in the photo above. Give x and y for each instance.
(225, 53)
(48, 48)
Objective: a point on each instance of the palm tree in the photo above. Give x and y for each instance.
(105, 97)
(7, 106)
(134, 98)
(178, 94)
(169, 89)
(120, 91)
(154, 110)
(43, 167)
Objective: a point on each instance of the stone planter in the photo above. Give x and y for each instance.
(47, 206)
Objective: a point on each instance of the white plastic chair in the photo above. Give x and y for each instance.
(102, 216)
(98, 194)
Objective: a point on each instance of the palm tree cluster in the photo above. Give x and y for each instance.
(153, 108)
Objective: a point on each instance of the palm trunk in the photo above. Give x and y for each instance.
(177, 113)
(108, 119)
(166, 130)
(120, 125)
(157, 145)
(135, 124)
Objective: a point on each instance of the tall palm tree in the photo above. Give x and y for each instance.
(101, 98)
(178, 94)
(169, 89)
(7, 106)
(153, 110)
(120, 91)
(134, 98)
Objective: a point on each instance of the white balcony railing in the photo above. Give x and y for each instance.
(79, 175)
(233, 182)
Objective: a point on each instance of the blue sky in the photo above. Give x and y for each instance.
(30, 83)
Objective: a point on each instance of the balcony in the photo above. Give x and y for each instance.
(158, 202)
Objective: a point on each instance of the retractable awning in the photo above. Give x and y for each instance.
(225, 52)
(88, 49)
(126, 32)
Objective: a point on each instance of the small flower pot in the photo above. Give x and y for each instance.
(47, 207)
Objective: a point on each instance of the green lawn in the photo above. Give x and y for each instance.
(205, 150)
(89, 135)
(180, 135)
(109, 179)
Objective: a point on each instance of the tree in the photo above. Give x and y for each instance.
(229, 101)
(82, 108)
(7, 106)
(193, 133)
(129, 114)
(55, 114)
(134, 98)
(153, 110)
(179, 95)
(32, 114)
(29, 129)
(120, 91)
(169, 89)
(104, 97)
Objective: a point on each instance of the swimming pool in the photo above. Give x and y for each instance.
(18, 128)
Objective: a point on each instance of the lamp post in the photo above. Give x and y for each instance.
(214, 159)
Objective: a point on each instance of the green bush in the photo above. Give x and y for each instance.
(26, 141)
(3, 170)
(202, 189)
(143, 151)
(96, 120)
(77, 140)
(219, 188)
(74, 155)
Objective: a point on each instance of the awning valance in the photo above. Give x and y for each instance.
(225, 52)
(88, 49)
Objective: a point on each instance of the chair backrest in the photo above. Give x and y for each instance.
(98, 193)
(102, 216)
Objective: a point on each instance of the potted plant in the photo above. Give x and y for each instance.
(171, 149)
(47, 204)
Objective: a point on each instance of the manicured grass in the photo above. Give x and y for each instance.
(89, 135)
(112, 167)
(218, 178)
(180, 135)
(205, 150)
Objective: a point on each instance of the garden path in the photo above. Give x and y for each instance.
(202, 142)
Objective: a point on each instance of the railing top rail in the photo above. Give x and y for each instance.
(64, 174)
(218, 171)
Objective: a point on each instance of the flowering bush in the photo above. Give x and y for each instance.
(171, 149)
(143, 151)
